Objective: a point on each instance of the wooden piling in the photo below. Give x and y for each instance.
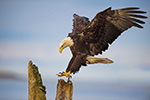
(36, 89)
(64, 90)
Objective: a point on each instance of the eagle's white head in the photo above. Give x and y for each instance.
(67, 42)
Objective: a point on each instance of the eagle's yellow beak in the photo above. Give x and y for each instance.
(61, 49)
(67, 42)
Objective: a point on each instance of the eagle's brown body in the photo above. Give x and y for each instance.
(92, 38)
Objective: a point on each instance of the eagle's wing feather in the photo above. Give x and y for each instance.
(79, 24)
(108, 25)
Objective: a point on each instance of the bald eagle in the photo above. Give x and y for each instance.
(90, 38)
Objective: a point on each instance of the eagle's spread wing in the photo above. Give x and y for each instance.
(79, 24)
(108, 25)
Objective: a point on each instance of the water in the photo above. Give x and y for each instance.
(18, 90)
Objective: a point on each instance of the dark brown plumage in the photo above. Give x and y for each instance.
(92, 38)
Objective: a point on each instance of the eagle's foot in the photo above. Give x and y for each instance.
(67, 74)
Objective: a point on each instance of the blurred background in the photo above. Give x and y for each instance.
(32, 30)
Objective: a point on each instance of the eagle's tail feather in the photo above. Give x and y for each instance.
(92, 60)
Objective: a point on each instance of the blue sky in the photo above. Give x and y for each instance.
(32, 30)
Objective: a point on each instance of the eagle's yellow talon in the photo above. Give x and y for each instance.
(67, 74)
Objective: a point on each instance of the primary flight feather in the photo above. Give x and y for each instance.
(92, 38)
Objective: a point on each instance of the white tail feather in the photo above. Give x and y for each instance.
(92, 60)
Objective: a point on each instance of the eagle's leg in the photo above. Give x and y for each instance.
(67, 74)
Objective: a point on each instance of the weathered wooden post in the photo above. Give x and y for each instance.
(64, 90)
(36, 89)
